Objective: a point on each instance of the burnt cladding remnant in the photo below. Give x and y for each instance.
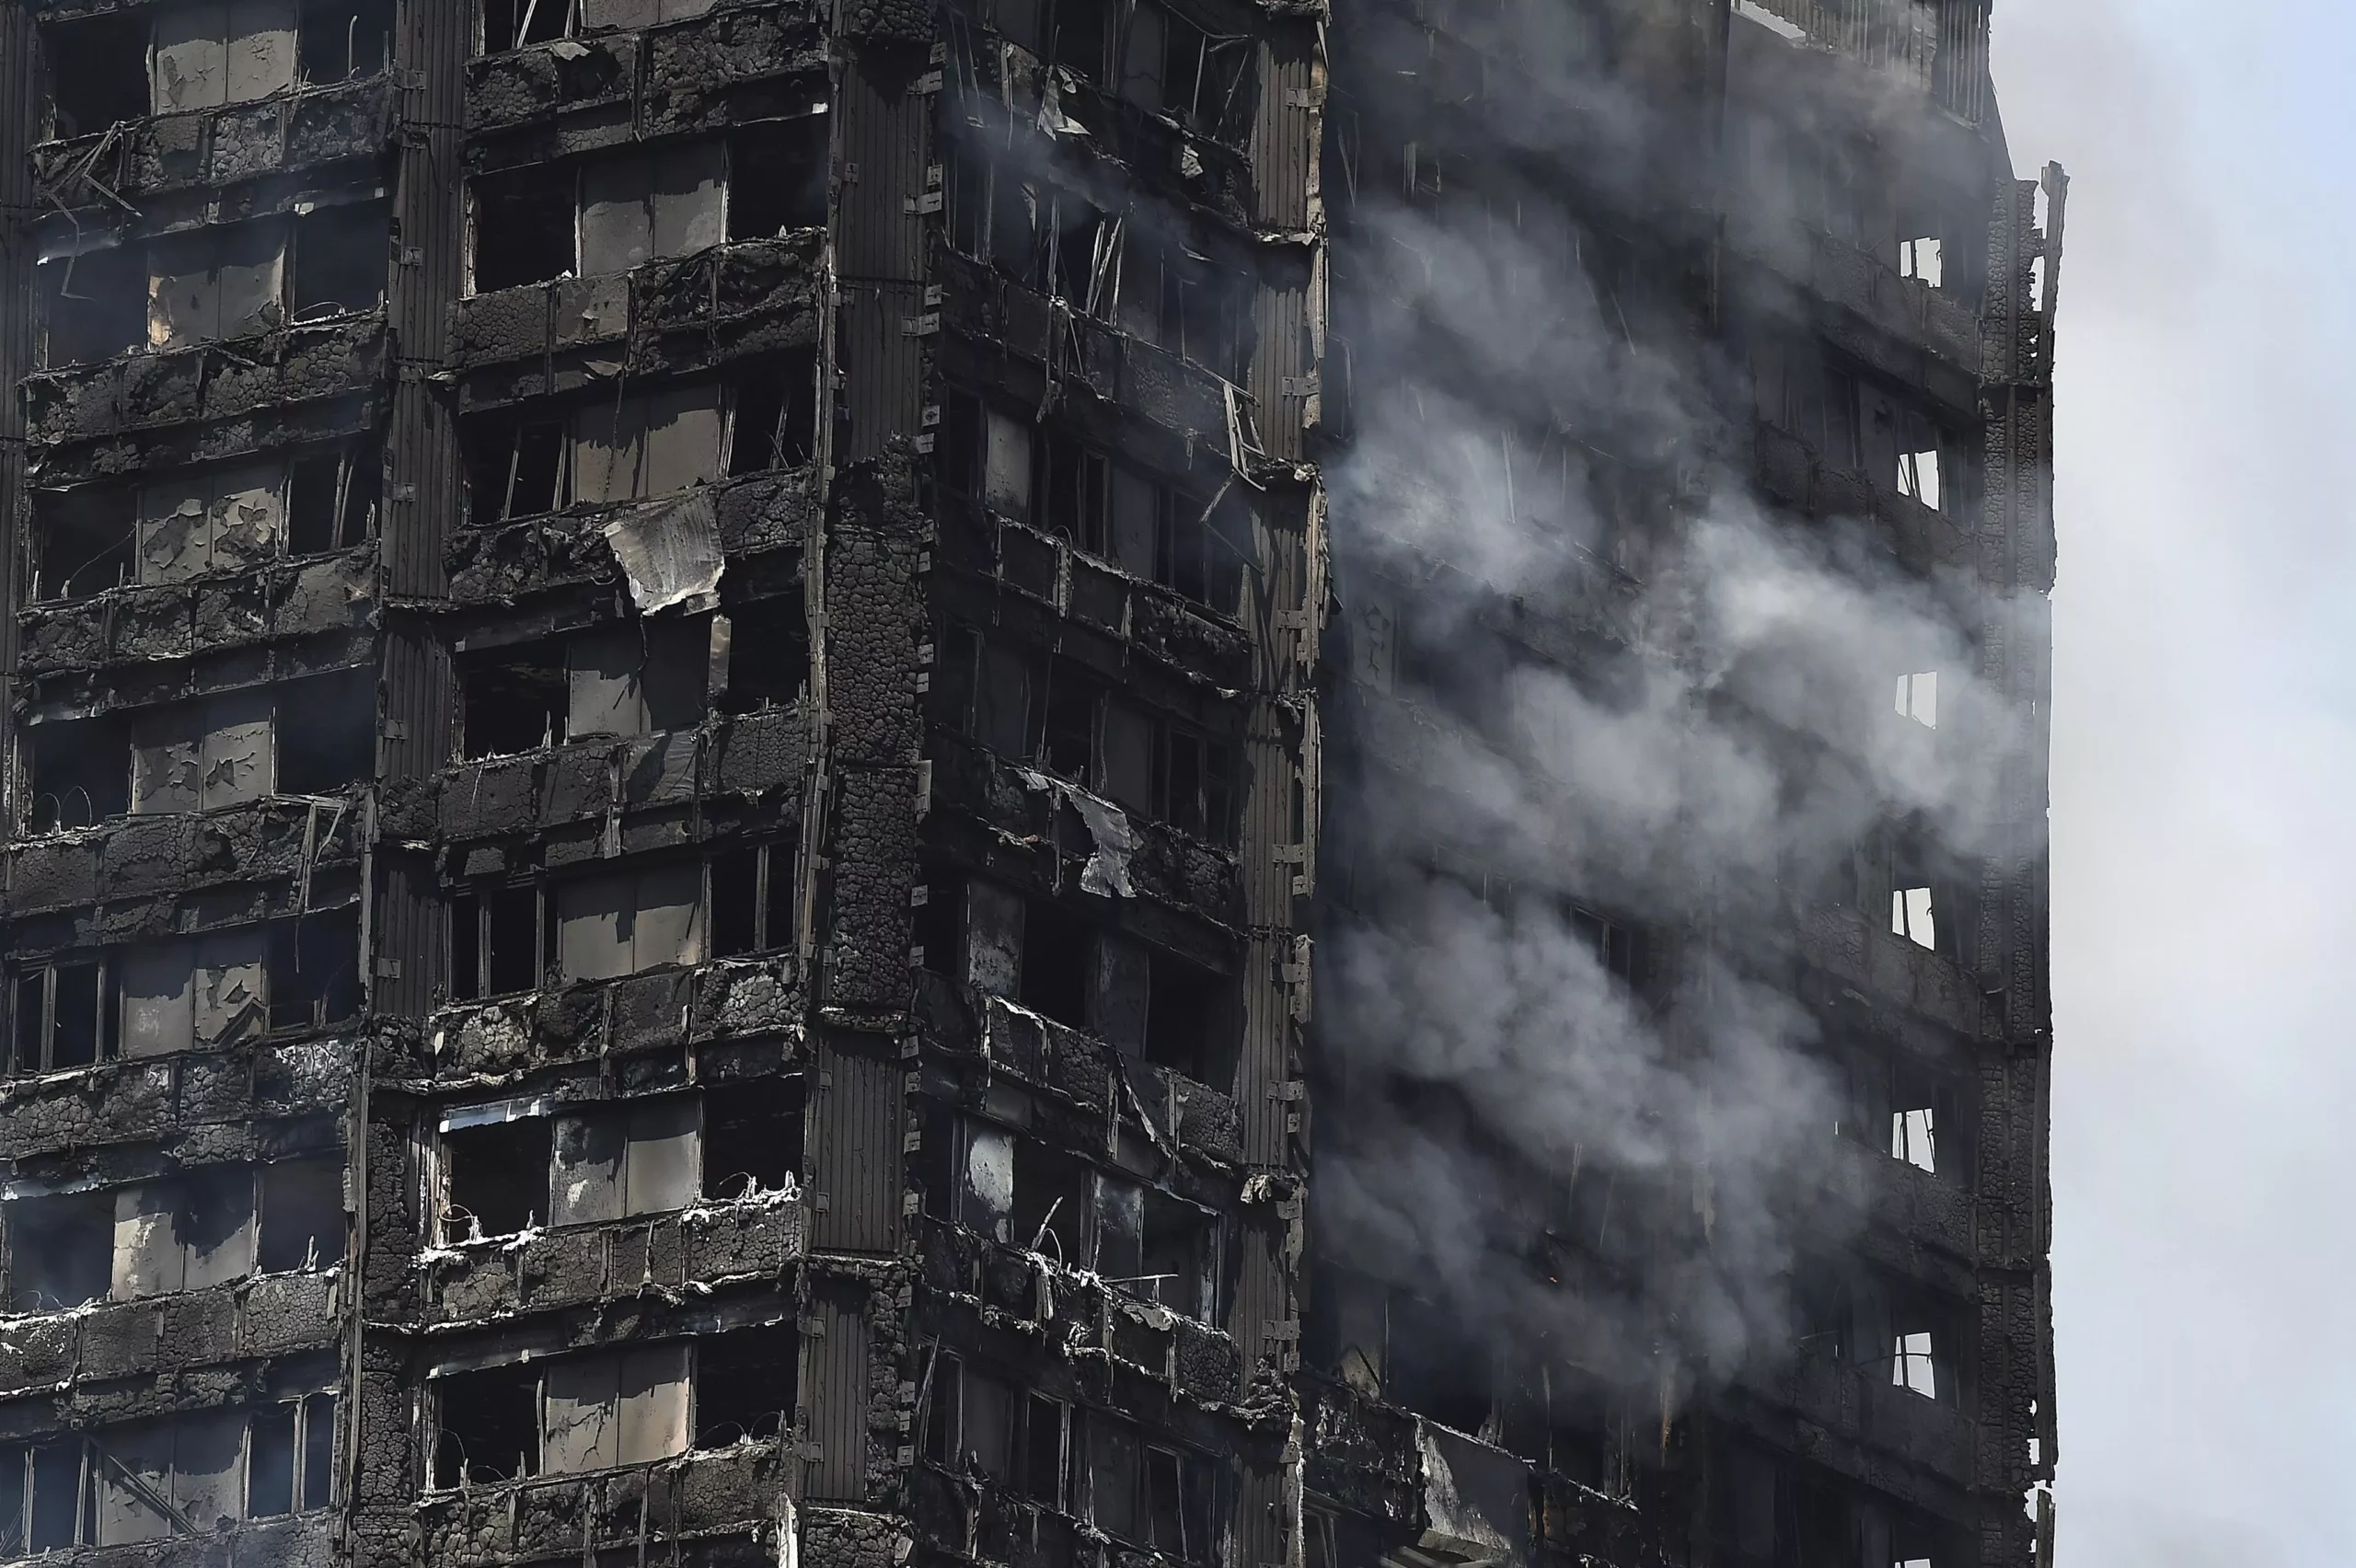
(1052, 782)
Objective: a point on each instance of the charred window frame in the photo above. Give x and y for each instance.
(608, 212)
(729, 1386)
(318, 501)
(500, 941)
(504, 936)
(64, 1014)
(70, 1011)
(96, 69)
(93, 304)
(343, 40)
(1031, 230)
(528, 463)
(1158, 529)
(223, 1224)
(791, 193)
(312, 738)
(1171, 65)
(513, 24)
(620, 679)
(1155, 1494)
(752, 894)
(49, 1491)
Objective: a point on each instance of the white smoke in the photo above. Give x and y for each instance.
(1710, 779)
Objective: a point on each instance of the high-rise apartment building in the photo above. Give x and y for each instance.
(1036, 782)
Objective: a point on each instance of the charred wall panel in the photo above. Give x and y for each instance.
(884, 141)
(838, 1378)
(422, 493)
(859, 1105)
(1284, 146)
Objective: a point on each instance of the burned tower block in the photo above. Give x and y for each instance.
(893, 784)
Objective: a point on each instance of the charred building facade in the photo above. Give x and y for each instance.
(698, 689)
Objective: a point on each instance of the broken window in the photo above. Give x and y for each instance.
(94, 305)
(1183, 1008)
(1194, 783)
(1177, 1254)
(488, 1427)
(785, 188)
(775, 420)
(84, 542)
(81, 772)
(1051, 1203)
(344, 40)
(768, 655)
(1617, 946)
(641, 447)
(1177, 299)
(63, 1015)
(969, 1418)
(1922, 258)
(626, 678)
(495, 1165)
(1436, 1366)
(312, 965)
(637, 677)
(61, 1250)
(1047, 1449)
(1056, 950)
(219, 519)
(1798, 391)
(512, 24)
(210, 52)
(752, 1136)
(613, 213)
(667, 202)
(186, 1233)
(216, 284)
(1141, 1491)
(752, 899)
(1912, 917)
(497, 944)
(325, 732)
(302, 1216)
(96, 70)
(291, 1463)
(332, 499)
(1172, 66)
(340, 255)
(624, 923)
(610, 1163)
(745, 1383)
(612, 1408)
(985, 1192)
(523, 227)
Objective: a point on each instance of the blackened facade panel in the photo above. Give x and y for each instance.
(860, 1114)
(882, 332)
(1283, 150)
(883, 139)
(837, 1356)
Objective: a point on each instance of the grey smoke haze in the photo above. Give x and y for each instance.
(1724, 779)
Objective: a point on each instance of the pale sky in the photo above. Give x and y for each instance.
(2204, 750)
